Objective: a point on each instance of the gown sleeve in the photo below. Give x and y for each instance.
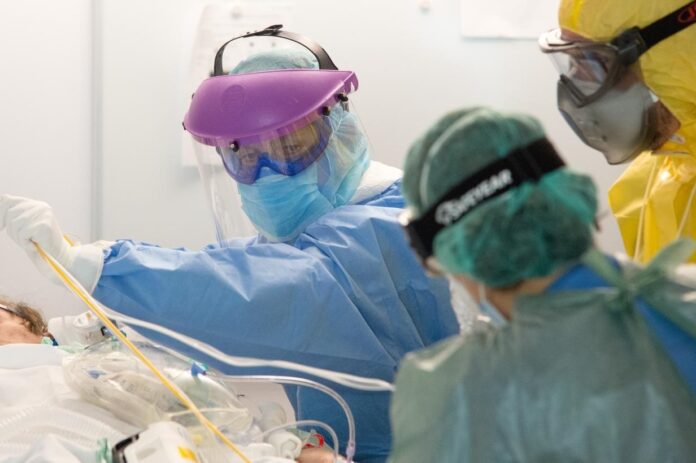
(261, 300)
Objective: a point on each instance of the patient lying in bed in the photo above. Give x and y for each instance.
(20, 323)
(43, 418)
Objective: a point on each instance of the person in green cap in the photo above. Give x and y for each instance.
(585, 358)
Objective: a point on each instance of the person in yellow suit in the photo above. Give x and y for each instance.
(628, 89)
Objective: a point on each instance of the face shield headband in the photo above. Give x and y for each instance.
(276, 30)
(527, 164)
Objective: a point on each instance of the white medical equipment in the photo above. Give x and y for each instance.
(164, 442)
(84, 329)
(110, 376)
(169, 442)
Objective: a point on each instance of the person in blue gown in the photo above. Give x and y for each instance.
(341, 291)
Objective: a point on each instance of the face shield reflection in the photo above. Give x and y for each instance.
(222, 195)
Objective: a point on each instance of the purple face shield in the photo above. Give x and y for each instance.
(276, 119)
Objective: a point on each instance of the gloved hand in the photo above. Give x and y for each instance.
(29, 221)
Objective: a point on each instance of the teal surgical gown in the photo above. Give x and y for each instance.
(347, 295)
(580, 374)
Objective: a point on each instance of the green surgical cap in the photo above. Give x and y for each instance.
(527, 232)
(276, 60)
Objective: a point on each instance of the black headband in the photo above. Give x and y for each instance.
(527, 164)
(636, 41)
(319, 53)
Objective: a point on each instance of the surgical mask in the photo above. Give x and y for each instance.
(281, 206)
(621, 124)
(496, 319)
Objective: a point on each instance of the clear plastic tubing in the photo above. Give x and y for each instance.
(344, 379)
(318, 424)
(350, 445)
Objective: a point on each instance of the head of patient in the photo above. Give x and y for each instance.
(20, 323)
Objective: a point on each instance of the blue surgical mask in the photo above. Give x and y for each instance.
(281, 206)
(489, 310)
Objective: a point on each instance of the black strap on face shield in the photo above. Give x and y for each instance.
(636, 41)
(527, 164)
(319, 53)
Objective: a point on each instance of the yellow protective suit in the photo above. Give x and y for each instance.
(653, 200)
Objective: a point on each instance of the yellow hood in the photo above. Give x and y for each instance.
(669, 68)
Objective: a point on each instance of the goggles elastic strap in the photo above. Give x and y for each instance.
(527, 164)
(7, 309)
(669, 25)
(639, 40)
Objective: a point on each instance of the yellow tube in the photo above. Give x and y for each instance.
(80, 292)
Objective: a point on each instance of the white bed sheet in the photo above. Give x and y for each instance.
(41, 418)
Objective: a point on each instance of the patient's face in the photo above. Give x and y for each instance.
(14, 330)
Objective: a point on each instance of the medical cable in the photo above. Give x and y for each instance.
(350, 445)
(290, 380)
(344, 379)
(80, 292)
(302, 382)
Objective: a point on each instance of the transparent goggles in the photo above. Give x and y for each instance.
(587, 69)
(590, 69)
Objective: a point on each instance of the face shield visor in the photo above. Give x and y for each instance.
(601, 96)
(250, 127)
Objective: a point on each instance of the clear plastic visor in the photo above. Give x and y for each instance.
(222, 195)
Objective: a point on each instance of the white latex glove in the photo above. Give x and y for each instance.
(29, 221)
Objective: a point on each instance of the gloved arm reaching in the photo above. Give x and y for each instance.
(29, 221)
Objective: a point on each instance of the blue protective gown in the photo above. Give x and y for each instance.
(347, 295)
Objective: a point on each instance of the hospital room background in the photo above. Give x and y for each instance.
(93, 94)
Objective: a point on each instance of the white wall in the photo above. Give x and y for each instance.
(45, 121)
(413, 66)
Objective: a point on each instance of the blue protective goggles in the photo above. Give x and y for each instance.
(287, 154)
